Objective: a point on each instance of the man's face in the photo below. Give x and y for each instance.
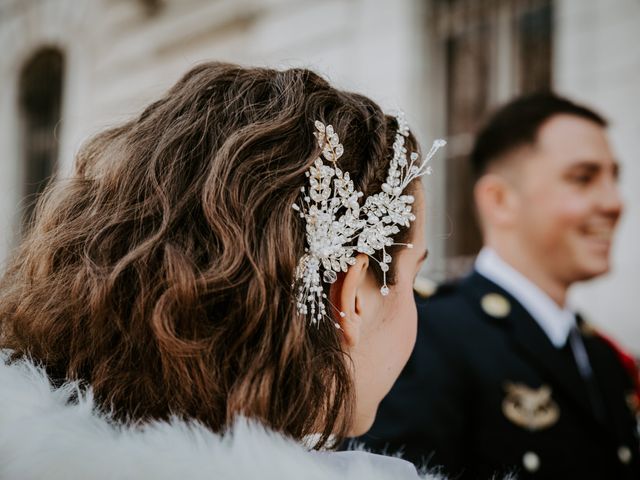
(568, 199)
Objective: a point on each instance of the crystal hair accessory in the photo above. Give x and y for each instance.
(337, 226)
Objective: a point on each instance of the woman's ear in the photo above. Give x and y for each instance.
(347, 295)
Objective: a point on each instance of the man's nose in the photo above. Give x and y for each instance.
(611, 200)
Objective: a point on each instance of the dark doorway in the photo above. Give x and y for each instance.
(40, 101)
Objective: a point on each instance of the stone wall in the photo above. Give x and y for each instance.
(597, 61)
(121, 54)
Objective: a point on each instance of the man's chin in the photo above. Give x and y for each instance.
(591, 270)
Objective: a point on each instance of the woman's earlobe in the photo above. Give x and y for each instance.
(350, 327)
(345, 296)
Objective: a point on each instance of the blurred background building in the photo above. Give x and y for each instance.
(70, 68)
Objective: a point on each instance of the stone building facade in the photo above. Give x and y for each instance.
(106, 59)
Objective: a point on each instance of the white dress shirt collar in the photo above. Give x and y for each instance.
(556, 322)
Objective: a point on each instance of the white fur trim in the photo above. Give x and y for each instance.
(44, 436)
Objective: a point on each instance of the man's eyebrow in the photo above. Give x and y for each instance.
(594, 166)
(585, 164)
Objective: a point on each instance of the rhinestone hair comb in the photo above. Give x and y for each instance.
(337, 227)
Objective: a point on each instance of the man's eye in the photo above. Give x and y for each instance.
(581, 179)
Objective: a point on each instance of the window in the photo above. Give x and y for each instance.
(40, 99)
(492, 51)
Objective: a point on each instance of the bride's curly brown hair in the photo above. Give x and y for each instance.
(160, 271)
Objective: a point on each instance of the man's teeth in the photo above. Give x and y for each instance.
(601, 233)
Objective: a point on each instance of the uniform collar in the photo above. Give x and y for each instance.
(556, 322)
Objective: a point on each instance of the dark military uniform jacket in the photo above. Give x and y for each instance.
(486, 393)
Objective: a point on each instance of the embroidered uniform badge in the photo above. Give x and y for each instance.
(530, 408)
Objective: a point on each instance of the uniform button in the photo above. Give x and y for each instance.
(624, 454)
(531, 461)
(495, 305)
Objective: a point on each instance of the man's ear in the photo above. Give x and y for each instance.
(347, 295)
(495, 199)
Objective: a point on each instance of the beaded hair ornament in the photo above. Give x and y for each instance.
(337, 226)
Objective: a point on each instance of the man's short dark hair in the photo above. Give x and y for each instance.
(517, 123)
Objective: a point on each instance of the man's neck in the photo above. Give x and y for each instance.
(556, 290)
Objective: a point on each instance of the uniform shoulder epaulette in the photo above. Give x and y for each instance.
(627, 362)
(424, 287)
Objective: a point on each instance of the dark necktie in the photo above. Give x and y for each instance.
(581, 358)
